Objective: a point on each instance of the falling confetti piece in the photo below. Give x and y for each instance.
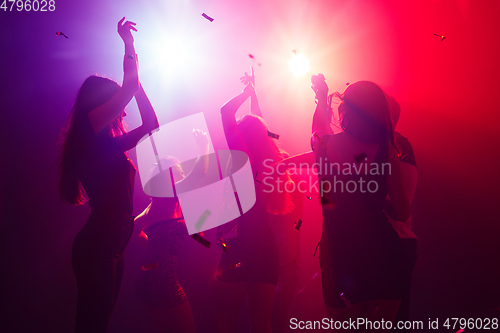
(253, 58)
(347, 83)
(308, 197)
(58, 33)
(272, 135)
(233, 266)
(255, 178)
(294, 51)
(207, 17)
(460, 331)
(202, 219)
(298, 224)
(201, 240)
(442, 37)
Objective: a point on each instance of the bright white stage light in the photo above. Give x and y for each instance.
(170, 55)
(299, 65)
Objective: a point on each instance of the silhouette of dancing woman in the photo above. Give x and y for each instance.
(286, 237)
(250, 267)
(93, 160)
(359, 248)
(408, 239)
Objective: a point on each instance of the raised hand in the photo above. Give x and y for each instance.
(249, 81)
(124, 30)
(248, 78)
(319, 86)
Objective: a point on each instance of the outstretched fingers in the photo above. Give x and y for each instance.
(121, 22)
(125, 30)
(126, 25)
(244, 79)
(248, 78)
(130, 25)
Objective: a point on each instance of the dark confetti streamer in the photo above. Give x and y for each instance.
(308, 197)
(253, 58)
(442, 37)
(207, 17)
(256, 177)
(201, 240)
(298, 224)
(58, 33)
(272, 135)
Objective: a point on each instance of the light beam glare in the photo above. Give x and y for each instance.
(299, 65)
(170, 56)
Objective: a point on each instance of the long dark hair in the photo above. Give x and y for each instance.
(263, 147)
(259, 143)
(77, 134)
(365, 113)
